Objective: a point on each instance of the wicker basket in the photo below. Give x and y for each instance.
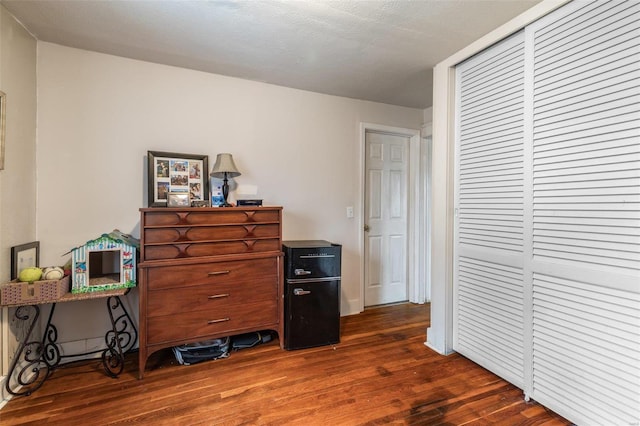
(21, 293)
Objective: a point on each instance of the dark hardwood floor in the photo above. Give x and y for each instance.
(380, 373)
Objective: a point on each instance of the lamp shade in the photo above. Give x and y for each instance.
(224, 167)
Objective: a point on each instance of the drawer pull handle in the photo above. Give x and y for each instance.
(249, 244)
(218, 273)
(218, 296)
(217, 320)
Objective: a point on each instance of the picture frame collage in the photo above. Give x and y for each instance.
(177, 180)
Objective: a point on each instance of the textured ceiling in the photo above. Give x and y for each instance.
(381, 51)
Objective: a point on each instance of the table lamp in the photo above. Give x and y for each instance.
(224, 169)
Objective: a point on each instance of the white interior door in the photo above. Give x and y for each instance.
(386, 203)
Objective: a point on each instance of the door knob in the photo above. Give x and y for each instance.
(366, 228)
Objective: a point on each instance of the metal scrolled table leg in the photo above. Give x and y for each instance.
(31, 376)
(120, 339)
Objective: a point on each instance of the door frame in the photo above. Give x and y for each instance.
(415, 227)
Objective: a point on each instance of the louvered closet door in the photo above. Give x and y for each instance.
(488, 276)
(586, 212)
(547, 250)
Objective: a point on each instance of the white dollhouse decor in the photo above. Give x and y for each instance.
(106, 263)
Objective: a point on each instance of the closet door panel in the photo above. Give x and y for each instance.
(586, 212)
(488, 320)
(586, 346)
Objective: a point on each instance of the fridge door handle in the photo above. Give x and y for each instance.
(301, 271)
(312, 280)
(300, 292)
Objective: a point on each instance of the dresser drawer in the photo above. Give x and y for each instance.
(186, 250)
(210, 296)
(194, 325)
(168, 217)
(211, 273)
(210, 233)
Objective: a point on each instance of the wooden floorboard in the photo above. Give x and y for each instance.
(381, 373)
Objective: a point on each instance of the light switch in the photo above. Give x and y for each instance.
(350, 212)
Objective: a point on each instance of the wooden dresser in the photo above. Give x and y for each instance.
(207, 273)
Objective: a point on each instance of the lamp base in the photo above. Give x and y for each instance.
(225, 192)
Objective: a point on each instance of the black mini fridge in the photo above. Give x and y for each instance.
(312, 293)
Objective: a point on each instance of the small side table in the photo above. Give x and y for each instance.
(42, 357)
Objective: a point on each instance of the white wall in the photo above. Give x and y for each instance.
(99, 114)
(18, 179)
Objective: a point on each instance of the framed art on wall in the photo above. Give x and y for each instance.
(171, 172)
(24, 256)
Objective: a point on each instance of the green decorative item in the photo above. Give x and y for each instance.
(30, 274)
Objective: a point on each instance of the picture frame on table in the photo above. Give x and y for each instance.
(178, 199)
(200, 203)
(172, 172)
(24, 256)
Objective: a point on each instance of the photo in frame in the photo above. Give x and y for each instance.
(171, 172)
(200, 203)
(178, 199)
(24, 256)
